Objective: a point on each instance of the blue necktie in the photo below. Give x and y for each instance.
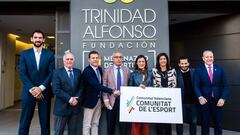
(119, 80)
(71, 77)
(98, 75)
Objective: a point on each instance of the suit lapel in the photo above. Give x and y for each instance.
(113, 76)
(206, 73)
(65, 74)
(214, 73)
(180, 77)
(125, 76)
(33, 59)
(41, 62)
(75, 77)
(92, 70)
(101, 74)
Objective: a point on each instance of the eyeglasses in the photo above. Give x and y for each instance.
(118, 57)
(67, 59)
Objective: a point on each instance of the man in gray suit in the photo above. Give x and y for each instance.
(66, 88)
(114, 77)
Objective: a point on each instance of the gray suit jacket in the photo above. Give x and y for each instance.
(109, 81)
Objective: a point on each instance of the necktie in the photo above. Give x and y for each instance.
(119, 80)
(210, 73)
(211, 77)
(71, 77)
(98, 75)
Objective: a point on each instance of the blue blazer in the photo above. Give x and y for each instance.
(180, 83)
(204, 87)
(136, 78)
(92, 88)
(63, 91)
(31, 76)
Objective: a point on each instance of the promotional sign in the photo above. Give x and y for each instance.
(151, 105)
(132, 27)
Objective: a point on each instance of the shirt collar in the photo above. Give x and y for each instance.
(94, 68)
(35, 50)
(208, 66)
(67, 69)
(115, 66)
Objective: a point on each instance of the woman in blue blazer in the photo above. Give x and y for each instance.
(141, 77)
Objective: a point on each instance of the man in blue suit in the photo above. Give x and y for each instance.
(66, 88)
(35, 68)
(92, 93)
(210, 86)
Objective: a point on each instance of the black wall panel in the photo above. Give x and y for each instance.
(222, 36)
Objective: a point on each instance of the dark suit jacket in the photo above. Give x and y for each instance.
(92, 88)
(31, 76)
(63, 91)
(180, 83)
(204, 87)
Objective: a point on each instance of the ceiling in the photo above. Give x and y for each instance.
(23, 25)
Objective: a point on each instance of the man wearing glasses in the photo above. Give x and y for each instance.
(115, 76)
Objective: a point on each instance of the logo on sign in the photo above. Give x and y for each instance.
(130, 104)
(123, 1)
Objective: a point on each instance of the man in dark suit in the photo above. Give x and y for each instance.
(210, 86)
(66, 88)
(185, 82)
(114, 77)
(92, 92)
(35, 68)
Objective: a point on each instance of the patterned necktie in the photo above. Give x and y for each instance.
(98, 75)
(119, 79)
(71, 77)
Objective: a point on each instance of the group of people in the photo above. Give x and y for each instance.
(205, 87)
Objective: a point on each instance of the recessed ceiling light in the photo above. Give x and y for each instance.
(14, 35)
(51, 37)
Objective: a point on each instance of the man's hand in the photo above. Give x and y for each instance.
(109, 107)
(74, 101)
(116, 93)
(220, 102)
(36, 92)
(40, 97)
(142, 86)
(32, 91)
(202, 100)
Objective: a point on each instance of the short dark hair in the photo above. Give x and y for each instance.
(158, 64)
(138, 57)
(38, 31)
(92, 52)
(182, 58)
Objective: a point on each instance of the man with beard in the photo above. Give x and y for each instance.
(36, 66)
(185, 82)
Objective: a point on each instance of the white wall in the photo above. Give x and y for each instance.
(7, 76)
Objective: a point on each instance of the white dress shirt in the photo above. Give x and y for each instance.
(38, 57)
(207, 67)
